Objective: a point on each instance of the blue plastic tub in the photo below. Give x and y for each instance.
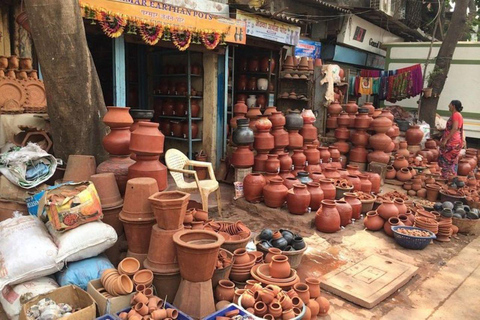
(230, 307)
(181, 315)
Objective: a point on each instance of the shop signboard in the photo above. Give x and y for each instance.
(217, 8)
(364, 35)
(308, 48)
(166, 14)
(268, 29)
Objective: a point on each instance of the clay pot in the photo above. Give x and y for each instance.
(345, 211)
(404, 174)
(327, 218)
(276, 118)
(118, 165)
(225, 290)
(373, 221)
(294, 120)
(275, 193)
(414, 135)
(279, 267)
(295, 140)
(264, 141)
(128, 266)
(161, 257)
(316, 195)
(260, 309)
(79, 168)
(242, 157)
(380, 141)
(366, 185)
(464, 167)
(328, 189)
(314, 287)
(381, 124)
(391, 173)
(169, 208)
(272, 165)
(259, 161)
(107, 190)
(185, 131)
(400, 162)
(355, 203)
(253, 187)
(303, 291)
(298, 157)
(432, 192)
(317, 176)
(200, 246)
(399, 203)
(136, 205)
(312, 154)
(149, 166)
(147, 139)
(334, 108)
(332, 122)
(298, 199)
(261, 101)
(309, 132)
(387, 209)
(378, 156)
(363, 121)
(331, 173)
(392, 221)
(285, 161)
(242, 135)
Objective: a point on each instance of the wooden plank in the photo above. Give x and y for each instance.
(369, 281)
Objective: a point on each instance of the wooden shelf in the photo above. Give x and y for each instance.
(179, 118)
(176, 97)
(256, 73)
(182, 139)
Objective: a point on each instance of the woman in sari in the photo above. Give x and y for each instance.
(452, 141)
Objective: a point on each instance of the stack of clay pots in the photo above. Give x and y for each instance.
(115, 283)
(380, 142)
(388, 214)
(117, 144)
(358, 154)
(294, 123)
(301, 64)
(242, 137)
(147, 144)
(342, 134)
(263, 143)
(334, 109)
(169, 209)
(137, 216)
(414, 137)
(79, 168)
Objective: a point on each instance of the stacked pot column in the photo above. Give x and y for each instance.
(360, 138)
(310, 134)
(137, 216)
(342, 134)
(380, 142)
(147, 144)
(116, 143)
(243, 138)
(294, 123)
(263, 143)
(333, 111)
(281, 142)
(169, 209)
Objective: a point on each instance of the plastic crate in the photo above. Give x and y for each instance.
(230, 307)
(412, 242)
(108, 317)
(181, 315)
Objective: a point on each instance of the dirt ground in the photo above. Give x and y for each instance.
(328, 252)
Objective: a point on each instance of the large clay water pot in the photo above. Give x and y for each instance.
(414, 135)
(275, 193)
(345, 211)
(355, 203)
(327, 218)
(316, 195)
(328, 189)
(298, 199)
(373, 221)
(253, 187)
(387, 209)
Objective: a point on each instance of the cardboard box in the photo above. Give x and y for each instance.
(107, 305)
(73, 295)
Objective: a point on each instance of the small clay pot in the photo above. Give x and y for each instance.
(128, 266)
(279, 267)
(303, 291)
(373, 221)
(107, 190)
(225, 290)
(314, 287)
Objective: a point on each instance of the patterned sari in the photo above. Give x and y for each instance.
(448, 159)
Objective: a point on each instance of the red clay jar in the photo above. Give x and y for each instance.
(391, 173)
(363, 121)
(400, 162)
(298, 157)
(400, 204)
(295, 140)
(253, 187)
(281, 138)
(272, 165)
(464, 167)
(366, 184)
(355, 182)
(316, 195)
(149, 166)
(277, 118)
(263, 123)
(259, 161)
(289, 182)
(225, 291)
(242, 157)
(334, 153)
(196, 109)
(393, 221)
(328, 189)
(351, 107)
(375, 180)
(314, 287)
(334, 108)
(286, 161)
(303, 291)
(324, 154)
(353, 170)
(309, 132)
(414, 135)
(404, 174)
(355, 203)
(327, 218)
(298, 199)
(380, 141)
(279, 267)
(264, 141)
(275, 193)
(312, 154)
(118, 165)
(317, 176)
(147, 139)
(387, 209)
(373, 221)
(185, 130)
(345, 211)
(331, 173)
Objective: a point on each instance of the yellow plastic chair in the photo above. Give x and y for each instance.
(177, 161)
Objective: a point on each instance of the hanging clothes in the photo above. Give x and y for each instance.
(366, 85)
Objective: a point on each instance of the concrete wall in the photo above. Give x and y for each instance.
(209, 131)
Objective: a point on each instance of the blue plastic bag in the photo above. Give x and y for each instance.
(80, 273)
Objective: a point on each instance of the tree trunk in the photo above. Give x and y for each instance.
(428, 106)
(472, 13)
(74, 94)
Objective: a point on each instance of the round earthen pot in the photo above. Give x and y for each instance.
(242, 157)
(253, 185)
(316, 195)
(275, 193)
(309, 132)
(327, 218)
(325, 154)
(380, 141)
(312, 154)
(373, 221)
(147, 139)
(295, 140)
(334, 108)
(331, 173)
(272, 165)
(264, 141)
(286, 161)
(378, 156)
(355, 182)
(387, 209)
(298, 157)
(225, 290)
(414, 135)
(355, 203)
(400, 204)
(328, 189)
(464, 167)
(366, 184)
(279, 267)
(263, 123)
(404, 174)
(400, 162)
(276, 118)
(392, 221)
(345, 211)
(381, 124)
(298, 199)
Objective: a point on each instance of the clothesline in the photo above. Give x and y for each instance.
(390, 85)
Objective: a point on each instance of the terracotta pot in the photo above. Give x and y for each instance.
(400, 162)
(225, 290)
(376, 180)
(334, 108)
(286, 161)
(118, 165)
(111, 217)
(169, 208)
(363, 121)
(136, 205)
(464, 167)
(79, 168)
(366, 185)
(185, 133)
(259, 161)
(414, 135)
(355, 182)
(264, 141)
(298, 199)
(378, 156)
(295, 140)
(309, 132)
(200, 246)
(381, 124)
(253, 187)
(342, 146)
(149, 166)
(404, 174)
(391, 173)
(312, 154)
(345, 211)
(355, 203)
(316, 195)
(392, 221)
(303, 291)
(387, 209)
(275, 193)
(242, 157)
(373, 221)
(317, 176)
(328, 189)
(147, 139)
(138, 233)
(400, 204)
(276, 118)
(327, 218)
(380, 141)
(107, 190)
(331, 173)
(342, 133)
(279, 267)
(263, 123)
(298, 157)
(260, 309)
(332, 122)
(162, 257)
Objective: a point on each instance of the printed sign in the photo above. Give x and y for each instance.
(308, 48)
(173, 16)
(269, 29)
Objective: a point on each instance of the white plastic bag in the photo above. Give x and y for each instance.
(84, 241)
(13, 297)
(425, 127)
(26, 251)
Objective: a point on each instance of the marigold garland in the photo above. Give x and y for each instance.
(113, 26)
(210, 39)
(151, 34)
(181, 39)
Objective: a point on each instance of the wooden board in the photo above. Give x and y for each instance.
(370, 281)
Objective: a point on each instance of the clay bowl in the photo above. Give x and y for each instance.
(225, 235)
(128, 266)
(284, 286)
(252, 257)
(144, 277)
(263, 271)
(108, 273)
(240, 276)
(258, 255)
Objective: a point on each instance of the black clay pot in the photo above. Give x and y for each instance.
(458, 204)
(455, 215)
(280, 243)
(438, 206)
(448, 212)
(294, 120)
(362, 110)
(264, 244)
(288, 235)
(266, 234)
(447, 204)
(472, 215)
(289, 248)
(298, 243)
(141, 114)
(243, 135)
(304, 177)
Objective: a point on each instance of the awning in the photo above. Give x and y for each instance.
(156, 21)
(326, 6)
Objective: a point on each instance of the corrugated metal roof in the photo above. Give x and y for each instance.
(326, 5)
(281, 16)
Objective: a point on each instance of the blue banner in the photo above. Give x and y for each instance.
(308, 48)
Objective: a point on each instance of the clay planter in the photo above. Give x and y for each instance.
(316, 195)
(345, 211)
(393, 221)
(138, 233)
(107, 190)
(414, 135)
(373, 221)
(327, 218)
(147, 139)
(387, 209)
(242, 157)
(162, 257)
(253, 187)
(169, 208)
(352, 200)
(149, 166)
(275, 193)
(197, 252)
(136, 205)
(328, 189)
(225, 291)
(279, 267)
(298, 199)
(79, 168)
